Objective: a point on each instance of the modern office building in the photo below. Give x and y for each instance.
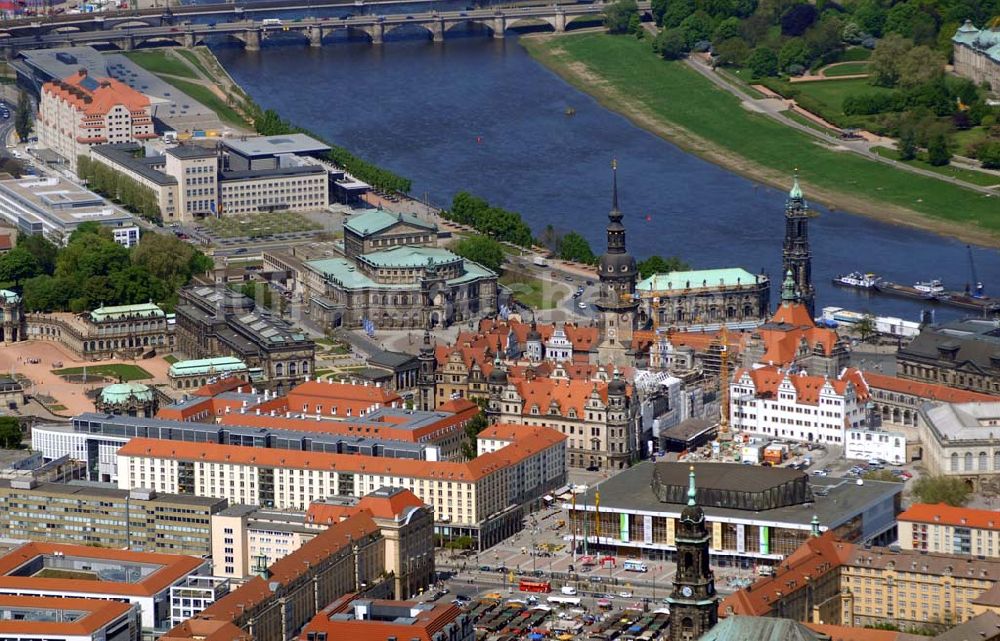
(213, 322)
(757, 515)
(945, 529)
(778, 403)
(483, 498)
(79, 571)
(31, 618)
(81, 111)
(96, 514)
(361, 619)
(55, 207)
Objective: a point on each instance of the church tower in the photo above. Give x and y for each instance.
(795, 254)
(617, 274)
(425, 376)
(496, 383)
(693, 602)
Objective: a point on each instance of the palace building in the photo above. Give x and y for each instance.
(964, 354)
(704, 300)
(977, 54)
(122, 331)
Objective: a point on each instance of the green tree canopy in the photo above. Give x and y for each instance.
(42, 249)
(575, 247)
(485, 251)
(11, 434)
(763, 62)
(659, 265)
(617, 17)
(941, 489)
(884, 65)
(671, 44)
(17, 265)
(23, 117)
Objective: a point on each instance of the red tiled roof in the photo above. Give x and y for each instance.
(218, 387)
(423, 626)
(814, 558)
(943, 514)
(928, 391)
(850, 633)
(173, 568)
(97, 102)
(96, 613)
(767, 380)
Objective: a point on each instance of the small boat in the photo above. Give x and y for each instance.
(929, 286)
(569, 111)
(858, 280)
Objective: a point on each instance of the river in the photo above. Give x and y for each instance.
(481, 115)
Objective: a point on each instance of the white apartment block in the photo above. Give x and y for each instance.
(531, 464)
(795, 406)
(866, 444)
(81, 111)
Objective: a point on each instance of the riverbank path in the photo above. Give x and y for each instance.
(776, 108)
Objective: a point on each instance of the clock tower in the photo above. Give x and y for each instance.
(693, 603)
(618, 275)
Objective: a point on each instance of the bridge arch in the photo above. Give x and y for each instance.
(231, 38)
(279, 37)
(407, 31)
(531, 24)
(155, 41)
(469, 27)
(67, 29)
(584, 20)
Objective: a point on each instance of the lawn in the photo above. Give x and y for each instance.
(193, 58)
(533, 292)
(170, 358)
(812, 124)
(825, 98)
(207, 97)
(846, 69)
(160, 61)
(854, 54)
(59, 573)
(122, 371)
(968, 175)
(673, 94)
(257, 225)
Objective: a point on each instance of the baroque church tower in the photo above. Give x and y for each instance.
(694, 606)
(618, 275)
(796, 256)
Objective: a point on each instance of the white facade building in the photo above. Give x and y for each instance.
(558, 347)
(798, 407)
(865, 445)
(56, 441)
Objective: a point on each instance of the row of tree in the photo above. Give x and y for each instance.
(120, 188)
(92, 269)
(497, 223)
(270, 123)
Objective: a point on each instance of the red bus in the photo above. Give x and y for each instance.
(532, 585)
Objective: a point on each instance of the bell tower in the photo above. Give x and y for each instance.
(796, 255)
(618, 275)
(693, 602)
(427, 400)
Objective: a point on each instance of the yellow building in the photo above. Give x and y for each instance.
(950, 530)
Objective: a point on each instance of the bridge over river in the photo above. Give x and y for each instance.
(137, 31)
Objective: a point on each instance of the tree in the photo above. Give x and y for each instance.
(907, 144)
(658, 8)
(796, 20)
(920, 66)
(46, 294)
(575, 247)
(763, 62)
(659, 265)
(884, 64)
(485, 251)
(476, 424)
(731, 52)
(23, 117)
(11, 434)
(793, 52)
(676, 12)
(882, 475)
(728, 28)
(941, 489)
(938, 153)
(696, 27)
(618, 16)
(870, 17)
(866, 328)
(670, 44)
(169, 259)
(18, 264)
(635, 26)
(989, 155)
(42, 249)
(461, 543)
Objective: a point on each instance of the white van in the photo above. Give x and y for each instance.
(635, 566)
(568, 590)
(270, 22)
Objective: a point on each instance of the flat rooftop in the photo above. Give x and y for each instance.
(56, 203)
(58, 568)
(56, 617)
(835, 500)
(263, 146)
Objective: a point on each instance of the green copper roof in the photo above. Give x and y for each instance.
(121, 392)
(350, 277)
(692, 489)
(679, 281)
(410, 256)
(796, 191)
(121, 312)
(376, 220)
(219, 365)
(9, 296)
(985, 41)
(788, 287)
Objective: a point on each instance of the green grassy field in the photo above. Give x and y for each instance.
(170, 358)
(968, 175)
(204, 95)
(846, 69)
(675, 95)
(159, 61)
(122, 371)
(193, 58)
(854, 54)
(802, 120)
(534, 292)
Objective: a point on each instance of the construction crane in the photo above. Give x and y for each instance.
(724, 434)
(977, 286)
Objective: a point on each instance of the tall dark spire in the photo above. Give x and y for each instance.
(796, 255)
(614, 186)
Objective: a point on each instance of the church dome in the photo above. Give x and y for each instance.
(498, 376)
(122, 392)
(617, 264)
(617, 385)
